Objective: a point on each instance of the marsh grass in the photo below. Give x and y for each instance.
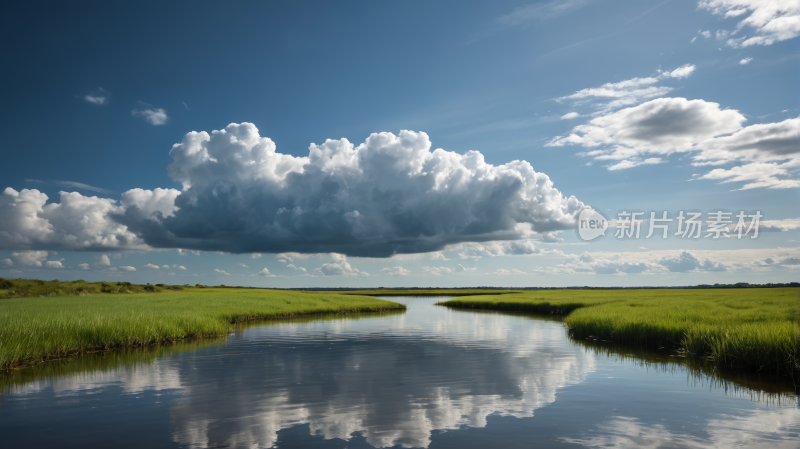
(77, 365)
(699, 372)
(754, 329)
(27, 288)
(37, 328)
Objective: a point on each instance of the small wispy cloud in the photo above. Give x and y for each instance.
(71, 185)
(396, 271)
(80, 185)
(524, 15)
(683, 71)
(294, 267)
(154, 116)
(628, 92)
(745, 61)
(100, 97)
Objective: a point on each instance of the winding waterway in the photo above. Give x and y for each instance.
(428, 377)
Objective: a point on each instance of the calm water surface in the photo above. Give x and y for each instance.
(429, 377)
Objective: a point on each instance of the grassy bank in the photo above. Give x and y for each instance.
(31, 288)
(35, 327)
(753, 329)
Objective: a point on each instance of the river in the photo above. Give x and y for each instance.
(429, 377)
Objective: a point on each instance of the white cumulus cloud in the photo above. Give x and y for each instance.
(769, 21)
(753, 260)
(392, 194)
(148, 202)
(769, 154)
(494, 249)
(339, 267)
(76, 222)
(765, 155)
(658, 127)
(29, 258)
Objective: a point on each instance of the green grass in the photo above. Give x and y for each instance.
(27, 288)
(32, 328)
(80, 364)
(754, 329)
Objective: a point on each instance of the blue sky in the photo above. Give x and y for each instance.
(635, 106)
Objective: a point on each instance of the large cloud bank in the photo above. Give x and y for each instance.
(389, 195)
